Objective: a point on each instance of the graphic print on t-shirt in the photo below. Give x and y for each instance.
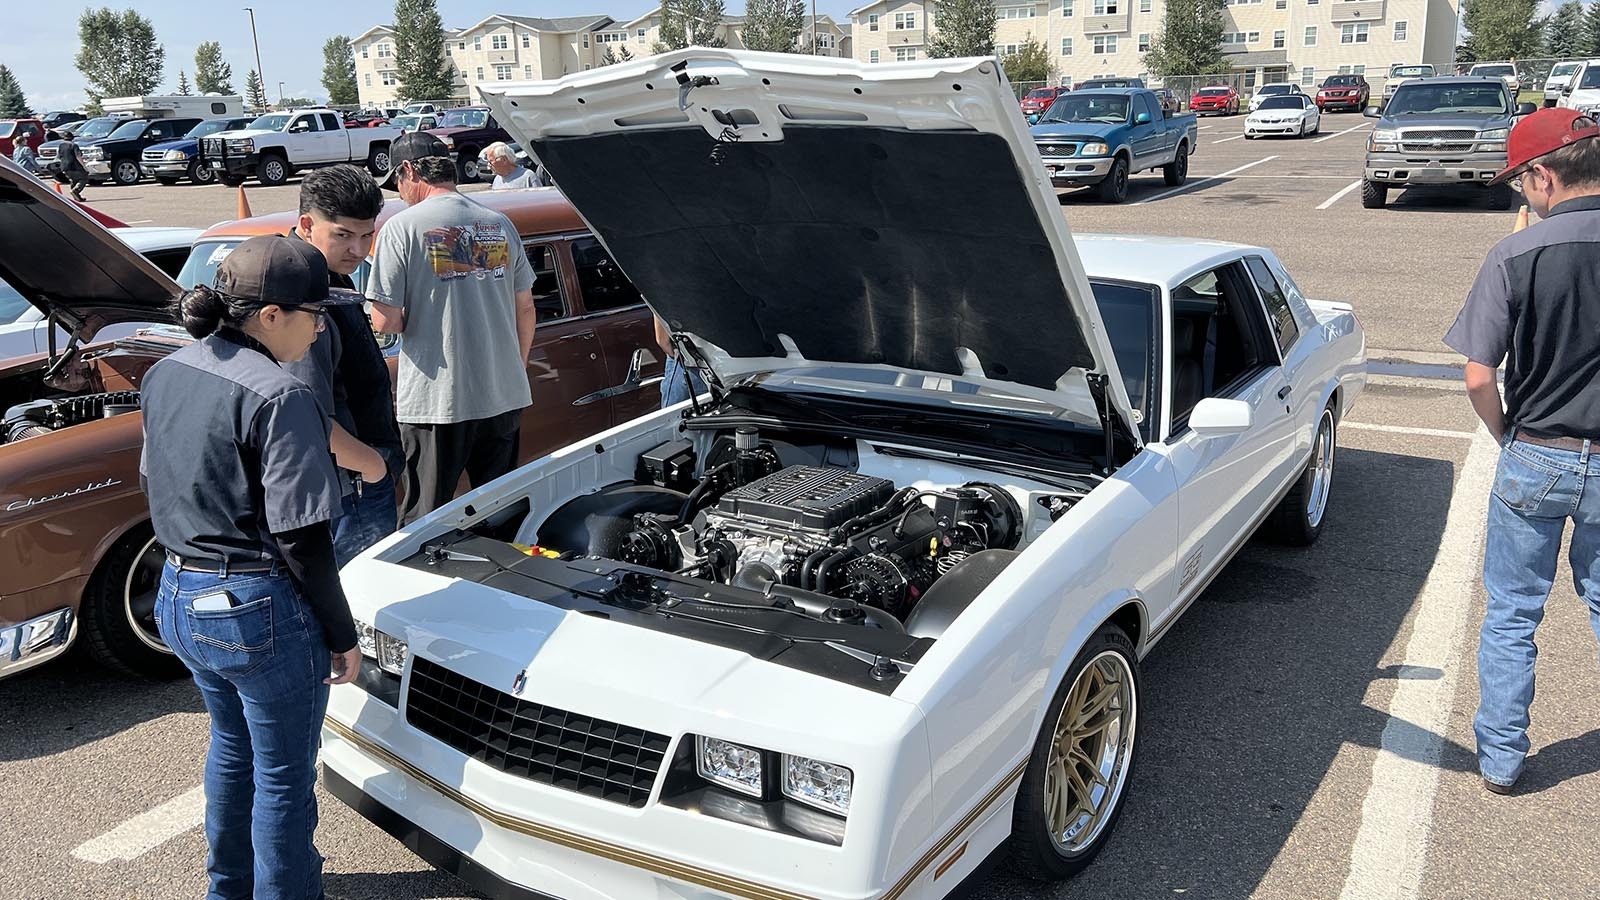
(457, 251)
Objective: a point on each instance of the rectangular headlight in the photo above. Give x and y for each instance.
(1498, 134)
(1093, 149)
(367, 639)
(733, 766)
(388, 651)
(813, 782)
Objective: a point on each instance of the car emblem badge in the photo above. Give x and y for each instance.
(520, 682)
(1438, 142)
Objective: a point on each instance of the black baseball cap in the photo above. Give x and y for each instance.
(273, 269)
(409, 147)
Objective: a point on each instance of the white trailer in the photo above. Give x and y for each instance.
(204, 106)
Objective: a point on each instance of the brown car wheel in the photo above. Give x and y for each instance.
(118, 614)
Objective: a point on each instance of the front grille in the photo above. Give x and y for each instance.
(212, 146)
(1058, 149)
(541, 743)
(47, 153)
(154, 155)
(1447, 134)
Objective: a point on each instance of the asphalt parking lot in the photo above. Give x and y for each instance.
(1307, 728)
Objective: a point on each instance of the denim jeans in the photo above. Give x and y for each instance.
(673, 389)
(260, 667)
(1536, 490)
(368, 518)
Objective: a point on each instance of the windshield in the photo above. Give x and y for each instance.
(407, 122)
(128, 131)
(1213, 92)
(1105, 108)
(6, 128)
(1274, 89)
(274, 122)
(1494, 70)
(1418, 97)
(1035, 94)
(1591, 78)
(1564, 68)
(467, 118)
(211, 127)
(417, 107)
(1283, 103)
(1340, 81)
(204, 258)
(12, 304)
(1411, 72)
(97, 128)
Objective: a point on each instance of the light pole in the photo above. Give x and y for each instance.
(280, 95)
(259, 74)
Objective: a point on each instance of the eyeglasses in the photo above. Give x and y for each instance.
(320, 312)
(1515, 181)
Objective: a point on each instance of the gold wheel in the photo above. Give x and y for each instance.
(1089, 752)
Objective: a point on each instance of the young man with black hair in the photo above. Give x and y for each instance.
(339, 208)
(451, 276)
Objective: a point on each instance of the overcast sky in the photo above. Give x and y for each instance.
(40, 42)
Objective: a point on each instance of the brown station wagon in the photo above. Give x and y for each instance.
(77, 553)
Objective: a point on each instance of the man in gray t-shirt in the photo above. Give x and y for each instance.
(450, 276)
(510, 174)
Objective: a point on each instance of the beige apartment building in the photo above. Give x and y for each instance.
(1265, 40)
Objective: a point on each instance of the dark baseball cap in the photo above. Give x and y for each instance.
(273, 269)
(410, 147)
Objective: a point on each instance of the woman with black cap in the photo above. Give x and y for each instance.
(241, 488)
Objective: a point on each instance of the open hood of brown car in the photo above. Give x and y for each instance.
(69, 265)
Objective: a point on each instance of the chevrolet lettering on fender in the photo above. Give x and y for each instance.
(36, 501)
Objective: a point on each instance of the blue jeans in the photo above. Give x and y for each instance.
(260, 667)
(1536, 490)
(368, 518)
(673, 389)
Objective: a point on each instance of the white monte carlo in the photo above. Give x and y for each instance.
(876, 604)
(1286, 114)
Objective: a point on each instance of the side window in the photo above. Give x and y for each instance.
(1280, 316)
(600, 279)
(1219, 341)
(547, 297)
(303, 124)
(1142, 102)
(329, 123)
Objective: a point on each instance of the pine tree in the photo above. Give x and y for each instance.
(1190, 42)
(13, 103)
(626, 54)
(1563, 32)
(1589, 45)
(339, 71)
(966, 28)
(212, 74)
(609, 58)
(255, 95)
(1031, 63)
(420, 61)
(774, 25)
(118, 54)
(690, 23)
(1502, 29)
(184, 90)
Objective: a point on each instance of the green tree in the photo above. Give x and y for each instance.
(689, 23)
(13, 103)
(626, 54)
(1589, 44)
(1190, 42)
(609, 58)
(212, 74)
(339, 71)
(118, 54)
(291, 102)
(423, 68)
(1031, 62)
(1563, 33)
(255, 95)
(1503, 29)
(966, 28)
(774, 25)
(184, 90)
(1465, 53)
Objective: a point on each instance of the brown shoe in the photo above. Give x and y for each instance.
(1504, 790)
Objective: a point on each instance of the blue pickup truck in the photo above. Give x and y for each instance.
(174, 160)
(1101, 137)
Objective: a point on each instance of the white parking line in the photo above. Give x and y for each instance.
(1342, 133)
(1227, 139)
(1180, 189)
(139, 222)
(1409, 429)
(1391, 846)
(1339, 196)
(147, 831)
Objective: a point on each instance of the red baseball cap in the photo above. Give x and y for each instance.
(1544, 132)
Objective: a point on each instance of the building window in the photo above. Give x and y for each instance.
(480, 73)
(1311, 36)
(502, 73)
(527, 41)
(1308, 75)
(499, 42)
(872, 56)
(1105, 44)
(367, 79)
(1066, 8)
(461, 45)
(1015, 12)
(364, 50)
(586, 40)
(383, 51)
(905, 20)
(1353, 33)
(1144, 43)
(1400, 32)
(639, 34)
(1145, 6)
(389, 79)
(1280, 4)
(1106, 7)
(477, 43)
(527, 72)
(1280, 39)
(1008, 49)
(872, 22)
(1312, 2)
(905, 54)
(1066, 46)
(1241, 37)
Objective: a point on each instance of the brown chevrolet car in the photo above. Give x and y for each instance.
(77, 553)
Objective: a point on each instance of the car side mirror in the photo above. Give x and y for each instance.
(1372, 112)
(1216, 417)
(1526, 109)
(1142, 119)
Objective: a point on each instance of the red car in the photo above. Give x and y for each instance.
(1218, 99)
(30, 132)
(1039, 99)
(1344, 92)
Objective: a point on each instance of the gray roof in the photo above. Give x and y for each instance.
(1258, 58)
(845, 27)
(567, 23)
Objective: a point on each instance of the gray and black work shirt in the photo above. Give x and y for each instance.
(235, 451)
(1536, 305)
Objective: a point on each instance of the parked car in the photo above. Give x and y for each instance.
(1170, 104)
(1507, 72)
(1036, 101)
(274, 146)
(171, 161)
(878, 607)
(1099, 138)
(1095, 84)
(1584, 91)
(1277, 89)
(117, 156)
(467, 130)
(26, 132)
(1448, 131)
(61, 131)
(1295, 115)
(83, 132)
(24, 329)
(415, 122)
(1561, 76)
(1400, 74)
(1219, 99)
(1344, 92)
(424, 108)
(79, 558)
(58, 118)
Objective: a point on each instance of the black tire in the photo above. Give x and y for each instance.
(378, 161)
(1298, 518)
(118, 609)
(1502, 197)
(1035, 851)
(1374, 194)
(200, 173)
(1114, 187)
(467, 169)
(273, 170)
(232, 181)
(125, 171)
(1177, 171)
(167, 181)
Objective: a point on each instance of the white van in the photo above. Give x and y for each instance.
(1583, 92)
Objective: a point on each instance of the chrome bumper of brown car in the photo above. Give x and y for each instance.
(27, 644)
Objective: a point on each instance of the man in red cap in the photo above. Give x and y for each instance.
(1536, 306)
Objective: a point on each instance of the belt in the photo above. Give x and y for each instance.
(1555, 443)
(215, 566)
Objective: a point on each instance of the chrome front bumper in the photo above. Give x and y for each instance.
(1475, 168)
(1074, 170)
(153, 169)
(97, 168)
(27, 644)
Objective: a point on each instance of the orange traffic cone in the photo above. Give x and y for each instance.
(1522, 219)
(242, 211)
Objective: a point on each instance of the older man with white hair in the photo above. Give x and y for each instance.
(510, 174)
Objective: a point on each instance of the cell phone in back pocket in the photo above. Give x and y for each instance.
(221, 600)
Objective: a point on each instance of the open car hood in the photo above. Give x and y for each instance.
(786, 211)
(68, 265)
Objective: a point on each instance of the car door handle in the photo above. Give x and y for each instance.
(1283, 392)
(583, 336)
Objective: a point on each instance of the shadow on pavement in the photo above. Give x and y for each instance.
(71, 701)
(393, 886)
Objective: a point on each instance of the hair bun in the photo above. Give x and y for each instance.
(201, 310)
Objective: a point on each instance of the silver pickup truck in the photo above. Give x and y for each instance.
(1441, 131)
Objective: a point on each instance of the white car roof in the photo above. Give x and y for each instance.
(1168, 261)
(148, 238)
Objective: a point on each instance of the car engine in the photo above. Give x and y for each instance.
(39, 417)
